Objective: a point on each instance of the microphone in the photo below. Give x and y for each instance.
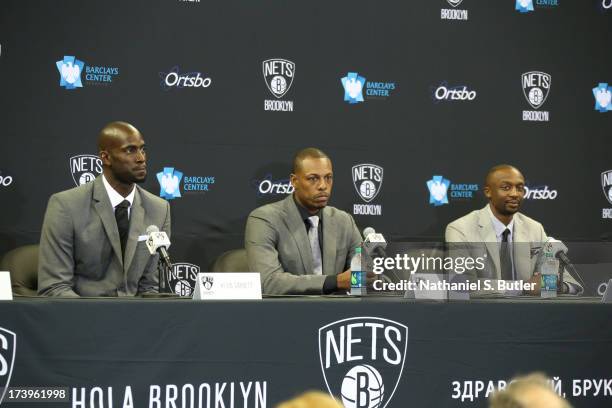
(559, 251)
(374, 243)
(158, 242)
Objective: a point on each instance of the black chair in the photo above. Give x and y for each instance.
(22, 263)
(231, 261)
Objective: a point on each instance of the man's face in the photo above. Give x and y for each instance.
(313, 183)
(506, 190)
(126, 158)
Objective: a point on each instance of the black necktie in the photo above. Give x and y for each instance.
(504, 256)
(123, 222)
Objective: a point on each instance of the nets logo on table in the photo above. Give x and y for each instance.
(85, 168)
(536, 87)
(454, 13)
(278, 74)
(365, 376)
(367, 179)
(182, 278)
(603, 97)
(8, 347)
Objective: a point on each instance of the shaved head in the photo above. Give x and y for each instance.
(114, 133)
(307, 153)
(493, 170)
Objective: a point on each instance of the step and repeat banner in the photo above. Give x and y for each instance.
(413, 101)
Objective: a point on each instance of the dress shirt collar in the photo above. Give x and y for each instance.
(305, 214)
(115, 197)
(499, 226)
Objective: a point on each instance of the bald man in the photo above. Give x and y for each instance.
(93, 236)
(508, 237)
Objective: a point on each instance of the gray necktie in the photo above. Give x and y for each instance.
(313, 237)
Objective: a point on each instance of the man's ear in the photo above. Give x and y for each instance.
(293, 179)
(103, 154)
(487, 191)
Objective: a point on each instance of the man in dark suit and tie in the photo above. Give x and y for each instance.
(300, 245)
(93, 236)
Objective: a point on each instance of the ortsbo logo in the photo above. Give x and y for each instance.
(8, 345)
(365, 376)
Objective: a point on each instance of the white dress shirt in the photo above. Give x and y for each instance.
(116, 198)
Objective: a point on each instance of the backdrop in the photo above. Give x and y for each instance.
(397, 93)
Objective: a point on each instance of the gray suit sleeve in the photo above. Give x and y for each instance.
(356, 241)
(261, 240)
(149, 283)
(56, 252)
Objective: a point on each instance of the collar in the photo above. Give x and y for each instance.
(115, 197)
(499, 226)
(304, 214)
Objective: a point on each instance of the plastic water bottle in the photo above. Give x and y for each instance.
(358, 286)
(549, 274)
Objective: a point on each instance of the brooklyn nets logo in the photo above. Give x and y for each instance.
(606, 184)
(367, 179)
(454, 3)
(278, 74)
(182, 278)
(85, 168)
(362, 359)
(8, 345)
(207, 282)
(536, 86)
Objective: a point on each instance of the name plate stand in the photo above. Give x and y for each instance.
(227, 286)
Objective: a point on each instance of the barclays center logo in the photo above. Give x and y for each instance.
(367, 179)
(366, 376)
(71, 69)
(603, 97)
(536, 87)
(278, 74)
(8, 347)
(441, 189)
(85, 168)
(170, 178)
(526, 6)
(356, 86)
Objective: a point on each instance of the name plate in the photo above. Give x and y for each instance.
(227, 286)
(6, 292)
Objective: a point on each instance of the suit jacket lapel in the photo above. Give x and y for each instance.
(522, 257)
(329, 243)
(487, 234)
(296, 227)
(105, 211)
(136, 219)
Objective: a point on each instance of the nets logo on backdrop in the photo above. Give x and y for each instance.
(454, 13)
(540, 193)
(603, 97)
(365, 376)
(182, 278)
(278, 74)
(269, 186)
(170, 183)
(536, 87)
(526, 6)
(70, 69)
(440, 189)
(355, 84)
(443, 93)
(367, 179)
(606, 185)
(174, 79)
(5, 180)
(85, 168)
(8, 346)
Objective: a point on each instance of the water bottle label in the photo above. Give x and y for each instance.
(549, 283)
(356, 279)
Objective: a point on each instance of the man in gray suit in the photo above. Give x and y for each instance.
(93, 236)
(300, 245)
(509, 239)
